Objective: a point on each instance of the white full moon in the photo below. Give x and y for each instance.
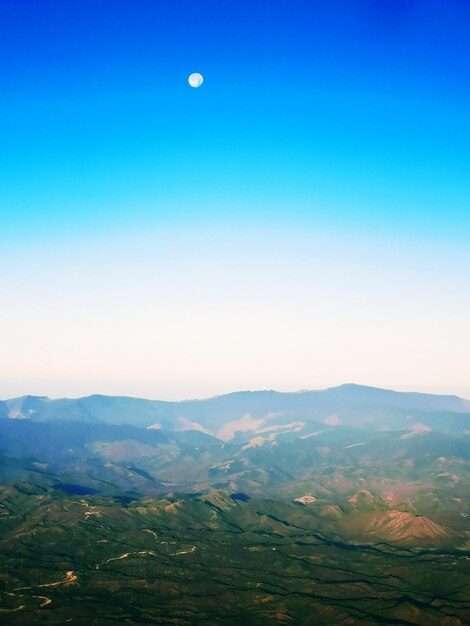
(196, 79)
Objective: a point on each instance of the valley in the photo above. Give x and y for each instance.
(324, 524)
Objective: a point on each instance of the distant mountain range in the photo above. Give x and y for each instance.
(352, 502)
(240, 415)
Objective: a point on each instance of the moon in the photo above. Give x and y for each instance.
(196, 80)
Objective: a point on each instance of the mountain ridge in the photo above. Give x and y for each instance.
(243, 414)
(335, 388)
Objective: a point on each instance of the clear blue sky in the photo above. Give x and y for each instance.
(329, 144)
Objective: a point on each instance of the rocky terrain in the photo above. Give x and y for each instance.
(284, 521)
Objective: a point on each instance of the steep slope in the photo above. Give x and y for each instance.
(400, 527)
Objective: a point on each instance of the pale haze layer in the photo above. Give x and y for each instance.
(300, 221)
(188, 311)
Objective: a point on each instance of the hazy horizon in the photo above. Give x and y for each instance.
(117, 391)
